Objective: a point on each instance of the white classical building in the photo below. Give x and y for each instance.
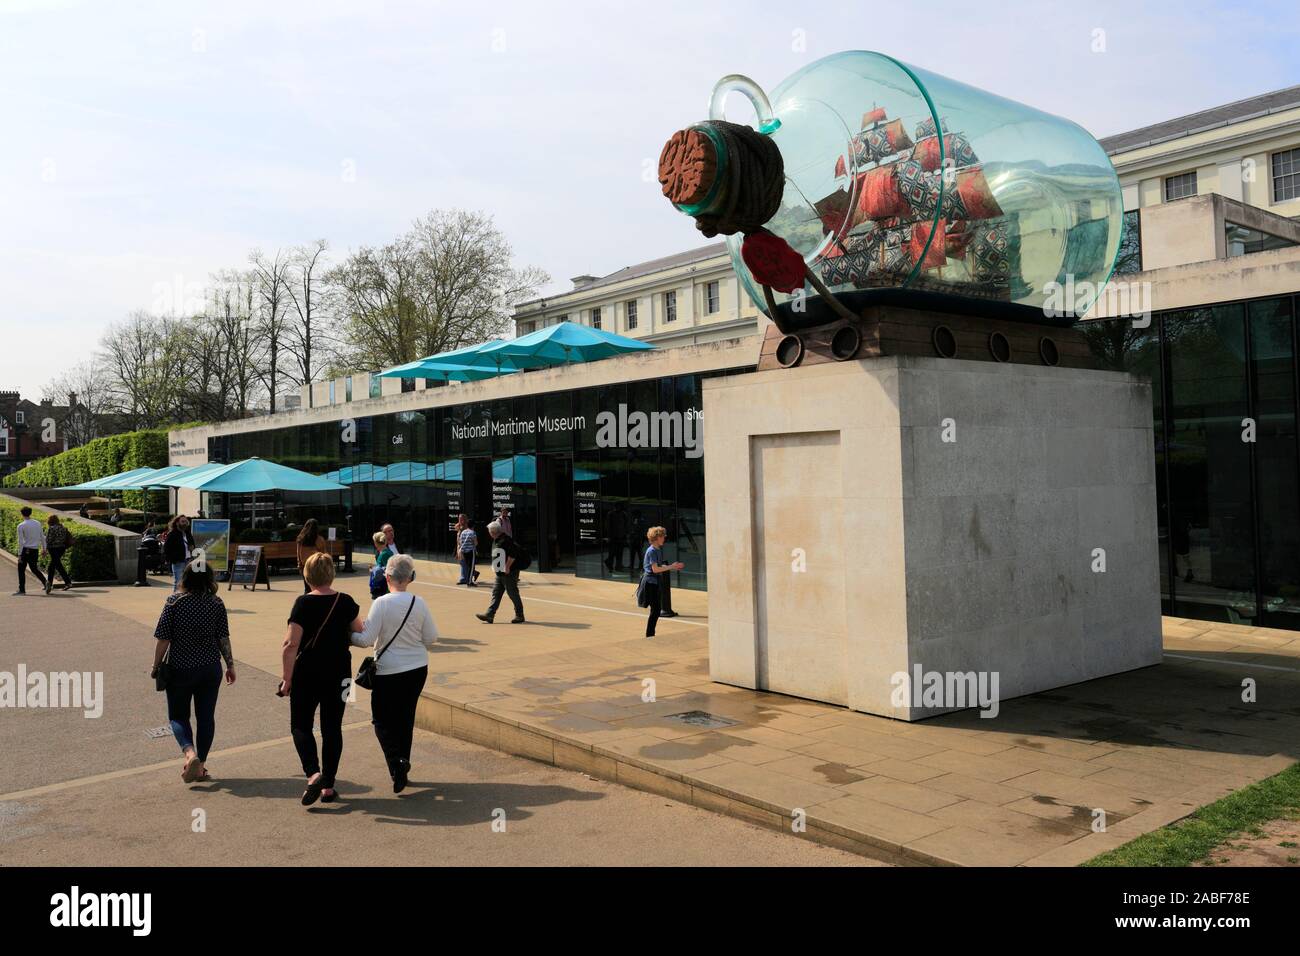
(682, 299)
(1247, 151)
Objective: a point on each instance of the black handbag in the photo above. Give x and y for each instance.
(163, 672)
(366, 672)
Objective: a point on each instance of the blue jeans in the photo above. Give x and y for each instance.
(200, 684)
(178, 568)
(466, 567)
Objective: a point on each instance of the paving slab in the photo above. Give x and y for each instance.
(580, 687)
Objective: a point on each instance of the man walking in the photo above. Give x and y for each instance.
(31, 542)
(508, 559)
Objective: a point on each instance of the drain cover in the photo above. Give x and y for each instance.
(700, 718)
(153, 733)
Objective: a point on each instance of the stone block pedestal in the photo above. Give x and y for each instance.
(869, 517)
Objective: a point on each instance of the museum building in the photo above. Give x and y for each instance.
(1214, 258)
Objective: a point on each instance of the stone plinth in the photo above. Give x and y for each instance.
(867, 517)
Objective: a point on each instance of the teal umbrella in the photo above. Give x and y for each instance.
(557, 344)
(109, 481)
(149, 478)
(446, 371)
(175, 479)
(256, 474)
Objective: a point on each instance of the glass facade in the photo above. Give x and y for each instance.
(1224, 388)
(583, 473)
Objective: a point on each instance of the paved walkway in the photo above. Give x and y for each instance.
(75, 792)
(570, 688)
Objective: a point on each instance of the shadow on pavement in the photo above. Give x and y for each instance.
(423, 803)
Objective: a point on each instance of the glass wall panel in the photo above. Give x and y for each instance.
(1272, 373)
(1211, 508)
(581, 498)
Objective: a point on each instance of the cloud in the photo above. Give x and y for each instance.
(182, 137)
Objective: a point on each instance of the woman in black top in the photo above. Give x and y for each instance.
(317, 673)
(194, 633)
(177, 545)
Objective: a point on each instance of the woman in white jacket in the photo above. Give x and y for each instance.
(401, 628)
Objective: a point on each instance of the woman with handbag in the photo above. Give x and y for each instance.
(400, 626)
(651, 567)
(193, 638)
(378, 582)
(317, 673)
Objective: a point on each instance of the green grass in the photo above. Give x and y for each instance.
(1193, 838)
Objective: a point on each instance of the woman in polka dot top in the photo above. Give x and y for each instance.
(194, 632)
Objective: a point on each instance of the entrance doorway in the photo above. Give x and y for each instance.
(555, 527)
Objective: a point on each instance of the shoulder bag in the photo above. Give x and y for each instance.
(366, 672)
(164, 670)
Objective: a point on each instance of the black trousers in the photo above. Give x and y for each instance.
(652, 592)
(56, 564)
(393, 700)
(507, 582)
(28, 559)
(330, 695)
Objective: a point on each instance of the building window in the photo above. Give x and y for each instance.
(1180, 186)
(347, 389)
(712, 298)
(4, 441)
(376, 385)
(1242, 240)
(631, 314)
(595, 317)
(408, 385)
(1286, 175)
(526, 327)
(331, 391)
(670, 306)
(561, 318)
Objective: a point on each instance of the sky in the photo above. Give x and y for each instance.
(147, 145)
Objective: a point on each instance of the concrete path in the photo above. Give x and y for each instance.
(579, 688)
(78, 791)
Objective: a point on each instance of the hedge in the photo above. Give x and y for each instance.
(92, 557)
(100, 458)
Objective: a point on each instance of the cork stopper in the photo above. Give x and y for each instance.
(687, 167)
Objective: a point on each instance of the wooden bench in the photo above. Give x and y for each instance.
(284, 554)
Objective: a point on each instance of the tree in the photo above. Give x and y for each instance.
(375, 289)
(448, 282)
(308, 292)
(272, 292)
(233, 303)
(86, 389)
(144, 358)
